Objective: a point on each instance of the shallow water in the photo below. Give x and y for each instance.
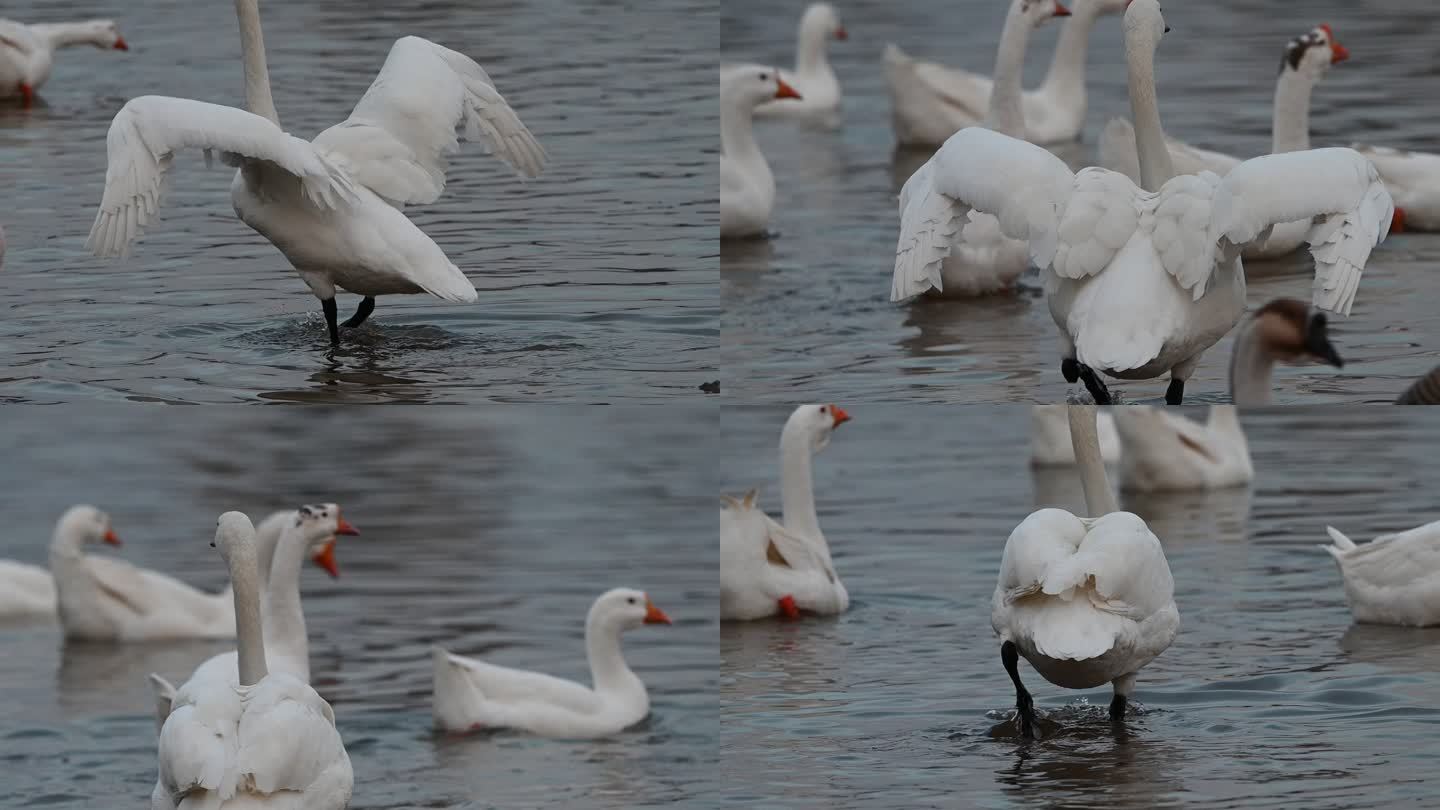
(597, 280)
(1269, 697)
(495, 549)
(810, 308)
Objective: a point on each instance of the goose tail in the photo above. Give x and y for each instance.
(1342, 545)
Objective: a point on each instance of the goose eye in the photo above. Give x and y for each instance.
(631, 600)
(764, 76)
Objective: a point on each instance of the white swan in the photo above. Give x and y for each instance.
(27, 52)
(1165, 452)
(813, 78)
(1087, 601)
(1050, 444)
(981, 259)
(1393, 579)
(1305, 62)
(1142, 282)
(1282, 331)
(332, 206)
(264, 740)
(282, 542)
(932, 101)
(471, 694)
(769, 569)
(747, 188)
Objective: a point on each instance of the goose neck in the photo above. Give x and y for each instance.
(1085, 440)
(810, 49)
(1066, 76)
(1250, 369)
(252, 49)
(282, 616)
(63, 35)
(1150, 146)
(1006, 114)
(1290, 127)
(797, 493)
(249, 632)
(608, 670)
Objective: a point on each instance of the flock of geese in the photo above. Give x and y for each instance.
(1085, 600)
(246, 729)
(334, 206)
(1141, 257)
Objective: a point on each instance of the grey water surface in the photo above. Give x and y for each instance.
(1269, 698)
(597, 280)
(488, 532)
(809, 309)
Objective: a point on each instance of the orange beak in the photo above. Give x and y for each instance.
(654, 615)
(1061, 11)
(326, 559)
(840, 33)
(1338, 53)
(343, 527)
(27, 94)
(1397, 222)
(112, 538)
(841, 417)
(785, 91)
(120, 44)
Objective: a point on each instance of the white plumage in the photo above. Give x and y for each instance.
(1166, 452)
(1393, 579)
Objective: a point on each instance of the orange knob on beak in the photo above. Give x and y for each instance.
(1338, 53)
(111, 537)
(841, 417)
(343, 527)
(654, 615)
(120, 44)
(1061, 11)
(326, 559)
(785, 90)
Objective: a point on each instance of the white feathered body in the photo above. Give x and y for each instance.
(25, 590)
(1394, 579)
(1413, 179)
(1166, 452)
(761, 562)
(1086, 600)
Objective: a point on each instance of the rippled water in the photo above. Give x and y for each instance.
(490, 533)
(597, 280)
(1269, 698)
(810, 308)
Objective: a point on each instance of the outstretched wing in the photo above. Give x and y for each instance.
(399, 134)
(147, 132)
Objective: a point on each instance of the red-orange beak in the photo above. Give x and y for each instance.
(654, 615)
(112, 538)
(840, 33)
(1061, 11)
(841, 417)
(785, 91)
(120, 44)
(1397, 221)
(326, 559)
(1338, 53)
(343, 526)
(27, 94)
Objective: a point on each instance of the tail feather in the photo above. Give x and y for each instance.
(1073, 631)
(1342, 545)
(164, 698)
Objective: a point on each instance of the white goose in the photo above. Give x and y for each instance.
(292, 535)
(264, 740)
(25, 590)
(471, 694)
(27, 52)
(932, 101)
(747, 188)
(769, 569)
(1143, 281)
(813, 78)
(1087, 601)
(1050, 444)
(1393, 579)
(981, 259)
(332, 206)
(1306, 60)
(1165, 452)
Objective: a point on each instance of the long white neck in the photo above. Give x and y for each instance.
(1225, 420)
(1290, 127)
(1085, 440)
(737, 140)
(1007, 113)
(1066, 77)
(608, 670)
(1250, 368)
(252, 50)
(1155, 166)
(62, 35)
(810, 56)
(797, 493)
(249, 632)
(284, 620)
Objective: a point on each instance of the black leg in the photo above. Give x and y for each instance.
(328, 304)
(1117, 707)
(1097, 389)
(1175, 392)
(1070, 369)
(367, 306)
(1023, 704)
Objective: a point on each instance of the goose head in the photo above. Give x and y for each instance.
(103, 34)
(1312, 54)
(234, 535)
(1036, 12)
(318, 524)
(85, 524)
(751, 85)
(812, 425)
(1144, 24)
(821, 22)
(624, 609)
(1287, 330)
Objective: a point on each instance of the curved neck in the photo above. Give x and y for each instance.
(284, 620)
(1155, 167)
(252, 51)
(1290, 127)
(1007, 114)
(249, 633)
(608, 670)
(737, 139)
(61, 35)
(1066, 77)
(1085, 439)
(1225, 419)
(1250, 368)
(810, 49)
(797, 493)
